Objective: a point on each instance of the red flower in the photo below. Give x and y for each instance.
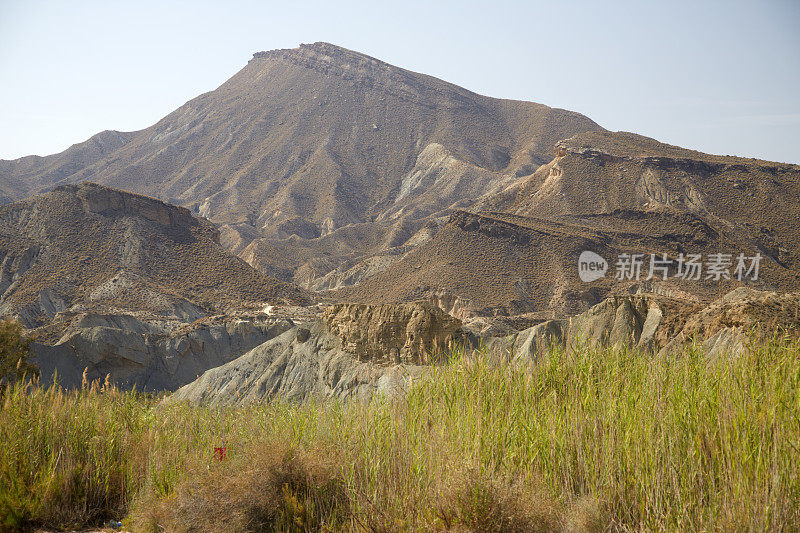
(219, 452)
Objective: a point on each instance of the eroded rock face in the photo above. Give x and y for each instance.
(357, 350)
(102, 200)
(617, 321)
(13, 266)
(412, 333)
(137, 353)
(745, 307)
(304, 362)
(725, 326)
(452, 304)
(352, 351)
(722, 328)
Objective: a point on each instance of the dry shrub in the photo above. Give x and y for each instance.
(475, 502)
(584, 515)
(275, 488)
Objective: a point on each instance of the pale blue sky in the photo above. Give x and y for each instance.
(722, 77)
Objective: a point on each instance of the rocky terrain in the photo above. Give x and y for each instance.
(116, 283)
(149, 355)
(343, 174)
(323, 359)
(516, 250)
(724, 327)
(30, 175)
(350, 351)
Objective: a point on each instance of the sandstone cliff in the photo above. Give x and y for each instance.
(414, 333)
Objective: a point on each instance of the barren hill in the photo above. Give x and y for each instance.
(87, 246)
(307, 142)
(29, 175)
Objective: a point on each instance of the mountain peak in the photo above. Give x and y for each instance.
(332, 60)
(322, 52)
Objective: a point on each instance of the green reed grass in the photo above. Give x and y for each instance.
(601, 438)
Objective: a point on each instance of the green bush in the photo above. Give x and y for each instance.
(14, 353)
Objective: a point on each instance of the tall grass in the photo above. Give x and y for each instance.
(583, 440)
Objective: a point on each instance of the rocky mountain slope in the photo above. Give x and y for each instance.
(30, 175)
(91, 248)
(603, 174)
(312, 157)
(517, 249)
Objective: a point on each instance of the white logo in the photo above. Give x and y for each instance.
(591, 266)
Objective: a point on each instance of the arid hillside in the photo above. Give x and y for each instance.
(30, 175)
(595, 174)
(86, 246)
(346, 176)
(306, 142)
(517, 250)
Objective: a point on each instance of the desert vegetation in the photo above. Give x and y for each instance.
(14, 353)
(592, 439)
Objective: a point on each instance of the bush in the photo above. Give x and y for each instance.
(14, 352)
(274, 487)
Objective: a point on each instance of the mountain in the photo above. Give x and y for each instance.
(315, 156)
(88, 247)
(32, 174)
(365, 182)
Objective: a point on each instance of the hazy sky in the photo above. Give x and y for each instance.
(721, 77)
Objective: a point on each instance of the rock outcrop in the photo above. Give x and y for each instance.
(728, 325)
(351, 351)
(306, 361)
(659, 325)
(617, 321)
(414, 333)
